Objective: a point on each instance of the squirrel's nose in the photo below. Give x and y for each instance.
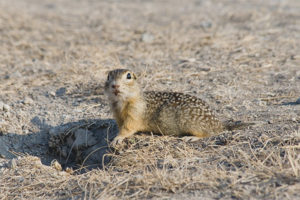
(115, 86)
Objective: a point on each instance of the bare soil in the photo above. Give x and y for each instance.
(241, 57)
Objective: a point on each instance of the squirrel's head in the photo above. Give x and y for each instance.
(121, 84)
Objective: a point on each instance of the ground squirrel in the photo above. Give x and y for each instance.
(168, 113)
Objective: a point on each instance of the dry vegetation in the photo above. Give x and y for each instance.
(241, 57)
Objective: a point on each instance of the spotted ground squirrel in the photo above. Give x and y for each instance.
(168, 113)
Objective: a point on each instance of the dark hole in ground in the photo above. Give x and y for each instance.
(81, 145)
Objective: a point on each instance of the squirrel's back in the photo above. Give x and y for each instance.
(173, 113)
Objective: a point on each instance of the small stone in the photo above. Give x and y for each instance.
(147, 38)
(6, 107)
(15, 74)
(52, 94)
(206, 24)
(28, 100)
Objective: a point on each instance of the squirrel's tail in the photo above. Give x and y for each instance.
(232, 125)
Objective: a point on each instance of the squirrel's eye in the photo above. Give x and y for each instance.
(128, 76)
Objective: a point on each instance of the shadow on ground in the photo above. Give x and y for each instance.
(290, 103)
(80, 145)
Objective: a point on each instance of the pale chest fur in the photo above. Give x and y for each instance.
(130, 112)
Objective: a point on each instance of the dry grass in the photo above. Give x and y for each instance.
(227, 166)
(242, 57)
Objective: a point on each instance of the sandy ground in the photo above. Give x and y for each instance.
(241, 57)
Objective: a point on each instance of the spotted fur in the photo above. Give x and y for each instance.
(180, 114)
(168, 113)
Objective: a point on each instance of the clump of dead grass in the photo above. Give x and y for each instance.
(227, 166)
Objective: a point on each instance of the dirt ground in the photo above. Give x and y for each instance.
(241, 57)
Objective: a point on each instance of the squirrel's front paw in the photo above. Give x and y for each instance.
(118, 140)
